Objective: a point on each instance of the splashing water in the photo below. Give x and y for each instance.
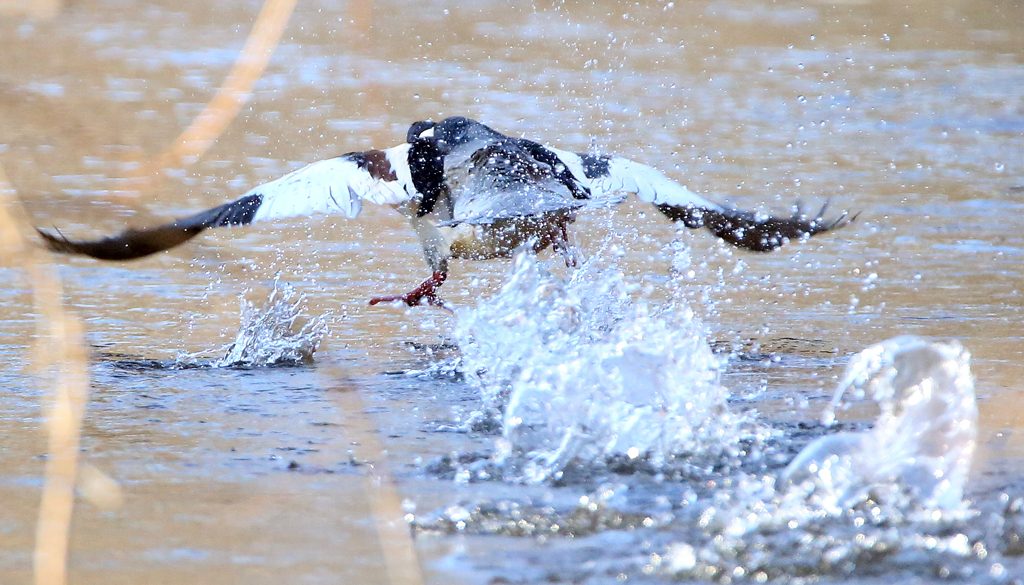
(270, 335)
(579, 373)
(859, 503)
(923, 440)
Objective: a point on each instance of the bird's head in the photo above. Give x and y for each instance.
(458, 130)
(421, 129)
(451, 132)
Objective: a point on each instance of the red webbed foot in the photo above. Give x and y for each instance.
(426, 291)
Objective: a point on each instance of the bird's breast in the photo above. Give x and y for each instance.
(503, 237)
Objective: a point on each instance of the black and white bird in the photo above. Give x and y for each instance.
(469, 192)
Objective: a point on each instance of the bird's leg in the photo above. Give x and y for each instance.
(562, 246)
(427, 290)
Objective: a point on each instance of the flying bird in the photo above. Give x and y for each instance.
(469, 192)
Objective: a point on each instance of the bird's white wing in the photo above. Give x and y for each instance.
(337, 186)
(334, 186)
(608, 177)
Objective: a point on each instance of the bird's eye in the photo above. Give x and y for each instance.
(428, 133)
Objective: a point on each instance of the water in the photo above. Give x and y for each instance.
(279, 333)
(876, 501)
(926, 430)
(578, 372)
(534, 451)
(647, 404)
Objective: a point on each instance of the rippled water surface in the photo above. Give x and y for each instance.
(631, 420)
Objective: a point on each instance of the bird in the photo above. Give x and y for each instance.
(469, 192)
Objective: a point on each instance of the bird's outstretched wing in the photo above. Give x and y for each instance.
(610, 176)
(335, 186)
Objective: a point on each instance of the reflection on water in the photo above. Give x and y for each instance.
(910, 112)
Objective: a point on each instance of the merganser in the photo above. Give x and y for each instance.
(469, 191)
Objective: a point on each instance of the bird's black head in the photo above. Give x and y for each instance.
(451, 132)
(417, 129)
(458, 130)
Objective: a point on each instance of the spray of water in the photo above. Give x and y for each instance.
(582, 370)
(579, 372)
(853, 503)
(923, 440)
(274, 334)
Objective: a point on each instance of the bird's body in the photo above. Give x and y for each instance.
(469, 192)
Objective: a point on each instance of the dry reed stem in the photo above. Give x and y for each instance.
(236, 89)
(60, 344)
(71, 389)
(393, 532)
(385, 506)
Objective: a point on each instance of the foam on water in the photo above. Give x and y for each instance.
(274, 334)
(580, 371)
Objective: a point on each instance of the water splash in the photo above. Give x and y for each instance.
(859, 503)
(586, 372)
(579, 372)
(276, 334)
(921, 443)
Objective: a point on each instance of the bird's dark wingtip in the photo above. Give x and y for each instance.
(764, 234)
(128, 245)
(842, 220)
(56, 242)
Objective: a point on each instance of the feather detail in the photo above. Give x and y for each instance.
(336, 186)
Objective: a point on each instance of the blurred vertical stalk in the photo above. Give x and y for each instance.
(236, 89)
(393, 533)
(60, 352)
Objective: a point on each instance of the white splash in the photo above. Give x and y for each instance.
(853, 501)
(922, 443)
(579, 372)
(278, 333)
(269, 335)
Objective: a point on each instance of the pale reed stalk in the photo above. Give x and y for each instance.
(236, 89)
(60, 351)
(393, 533)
